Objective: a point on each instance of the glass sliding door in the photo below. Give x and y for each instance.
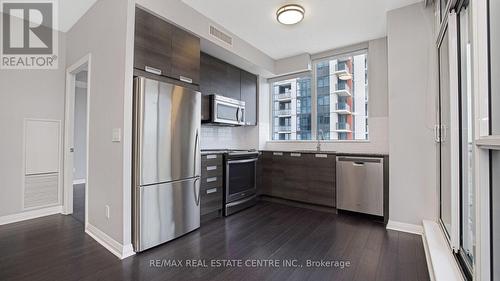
(444, 125)
(467, 194)
(494, 133)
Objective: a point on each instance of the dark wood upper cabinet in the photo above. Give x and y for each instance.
(249, 96)
(186, 56)
(153, 43)
(232, 81)
(163, 47)
(221, 78)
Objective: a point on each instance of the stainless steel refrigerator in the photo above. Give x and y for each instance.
(166, 162)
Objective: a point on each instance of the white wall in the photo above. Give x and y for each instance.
(25, 94)
(412, 111)
(104, 32)
(80, 136)
(377, 111)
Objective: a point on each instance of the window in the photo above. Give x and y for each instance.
(341, 101)
(342, 97)
(291, 108)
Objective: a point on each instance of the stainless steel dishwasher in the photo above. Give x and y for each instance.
(360, 184)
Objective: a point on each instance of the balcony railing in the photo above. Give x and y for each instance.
(342, 66)
(343, 70)
(343, 89)
(342, 107)
(342, 126)
(284, 128)
(284, 112)
(285, 95)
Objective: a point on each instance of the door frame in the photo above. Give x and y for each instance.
(71, 72)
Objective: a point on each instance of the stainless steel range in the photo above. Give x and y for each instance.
(240, 170)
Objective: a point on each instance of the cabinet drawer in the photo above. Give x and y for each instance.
(211, 160)
(211, 200)
(211, 182)
(211, 171)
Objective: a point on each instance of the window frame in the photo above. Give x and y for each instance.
(361, 48)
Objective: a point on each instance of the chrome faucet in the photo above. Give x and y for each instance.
(320, 133)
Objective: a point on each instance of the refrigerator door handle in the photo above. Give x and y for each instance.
(196, 190)
(196, 140)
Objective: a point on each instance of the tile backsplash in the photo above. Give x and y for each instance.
(218, 137)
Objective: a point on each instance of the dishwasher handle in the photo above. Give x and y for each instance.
(359, 160)
(358, 164)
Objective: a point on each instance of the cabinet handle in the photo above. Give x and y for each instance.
(211, 179)
(211, 168)
(186, 79)
(295, 154)
(278, 153)
(211, 156)
(321, 155)
(212, 190)
(153, 70)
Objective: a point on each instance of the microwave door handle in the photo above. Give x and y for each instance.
(238, 115)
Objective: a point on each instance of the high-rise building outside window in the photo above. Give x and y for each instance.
(342, 97)
(292, 109)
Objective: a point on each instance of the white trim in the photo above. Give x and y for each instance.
(30, 215)
(428, 258)
(117, 249)
(71, 71)
(440, 260)
(405, 227)
(79, 181)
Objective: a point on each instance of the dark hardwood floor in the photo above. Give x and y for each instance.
(56, 248)
(79, 202)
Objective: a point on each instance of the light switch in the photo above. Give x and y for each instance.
(117, 135)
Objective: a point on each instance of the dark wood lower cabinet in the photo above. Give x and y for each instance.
(211, 189)
(308, 178)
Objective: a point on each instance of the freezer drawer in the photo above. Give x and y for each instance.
(165, 211)
(360, 184)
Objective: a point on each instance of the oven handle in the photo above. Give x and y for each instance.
(242, 161)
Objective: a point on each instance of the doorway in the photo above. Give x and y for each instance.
(76, 142)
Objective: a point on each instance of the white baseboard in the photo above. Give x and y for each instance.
(78, 181)
(33, 214)
(405, 227)
(109, 243)
(440, 260)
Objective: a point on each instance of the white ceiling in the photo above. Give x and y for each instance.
(327, 24)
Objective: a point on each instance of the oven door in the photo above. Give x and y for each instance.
(240, 178)
(226, 112)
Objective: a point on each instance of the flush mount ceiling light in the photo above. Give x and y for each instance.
(290, 14)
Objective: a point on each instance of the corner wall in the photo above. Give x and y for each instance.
(104, 32)
(412, 112)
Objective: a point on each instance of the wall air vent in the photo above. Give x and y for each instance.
(217, 33)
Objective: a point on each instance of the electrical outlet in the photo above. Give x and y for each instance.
(107, 211)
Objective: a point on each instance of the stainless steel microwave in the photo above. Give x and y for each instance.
(228, 111)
